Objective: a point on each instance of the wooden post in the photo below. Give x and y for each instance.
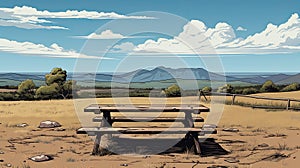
(233, 98)
(288, 104)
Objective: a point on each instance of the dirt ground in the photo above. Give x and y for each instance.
(264, 138)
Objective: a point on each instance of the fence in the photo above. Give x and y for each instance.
(234, 96)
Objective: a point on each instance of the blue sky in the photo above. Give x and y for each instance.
(32, 40)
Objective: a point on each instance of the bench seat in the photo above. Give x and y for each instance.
(110, 130)
(145, 119)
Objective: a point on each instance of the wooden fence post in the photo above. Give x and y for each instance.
(233, 98)
(288, 104)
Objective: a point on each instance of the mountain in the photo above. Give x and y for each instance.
(158, 74)
(21, 76)
(163, 73)
(290, 79)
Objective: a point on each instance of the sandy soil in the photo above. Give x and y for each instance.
(265, 138)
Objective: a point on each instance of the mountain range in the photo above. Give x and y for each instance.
(156, 75)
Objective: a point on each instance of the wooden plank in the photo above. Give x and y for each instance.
(110, 130)
(145, 119)
(193, 109)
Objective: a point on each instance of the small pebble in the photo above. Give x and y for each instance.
(125, 165)
(1, 160)
(8, 165)
(231, 130)
(231, 160)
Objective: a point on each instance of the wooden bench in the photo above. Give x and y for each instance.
(107, 122)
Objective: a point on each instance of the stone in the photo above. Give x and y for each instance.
(263, 145)
(1, 152)
(58, 129)
(231, 160)
(49, 124)
(125, 165)
(231, 130)
(41, 158)
(22, 125)
(217, 166)
(8, 165)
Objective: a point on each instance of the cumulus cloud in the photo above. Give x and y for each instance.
(31, 18)
(196, 38)
(124, 47)
(29, 48)
(240, 28)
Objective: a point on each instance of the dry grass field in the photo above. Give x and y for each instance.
(265, 138)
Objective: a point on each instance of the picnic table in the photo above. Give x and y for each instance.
(107, 121)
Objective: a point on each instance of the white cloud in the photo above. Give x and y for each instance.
(107, 34)
(29, 48)
(32, 18)
(124, 47)
(240, 28)
(197, 38)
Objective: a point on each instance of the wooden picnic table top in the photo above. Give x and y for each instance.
(149, 108)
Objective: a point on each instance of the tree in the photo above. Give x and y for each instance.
(291, 87)
(225, 89)
(26, 87)
(67, 89)
(206, 89)
(173, 91)
(57, 85)
(47, 92)
(269, 86)
(57, 75)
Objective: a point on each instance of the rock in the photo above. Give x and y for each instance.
(217, 166)
(125, 165)
(231, 160)
(58, 129)
(22, 125)
(49, 124)
(1, 152)
(41, 158)
(8, 165)
(231, 130)
(1, 160)
(263, 145)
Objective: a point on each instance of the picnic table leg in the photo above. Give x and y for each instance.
(97, 144)
(106, 122)
(191, 138)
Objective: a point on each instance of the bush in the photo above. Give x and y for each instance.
(249, 91)
(173, 91)
(9, 96)
(291, 87)
(206, 89)
(225, 89)
(47, 92)
(269, 86)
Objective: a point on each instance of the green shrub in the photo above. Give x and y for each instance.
(249, 91)
(206, 89)
(173, 91)
(291, 87)
(225, 89)
(269, 86)
(48, 92)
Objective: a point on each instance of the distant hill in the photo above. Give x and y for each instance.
(154, 76)
(290, 79)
